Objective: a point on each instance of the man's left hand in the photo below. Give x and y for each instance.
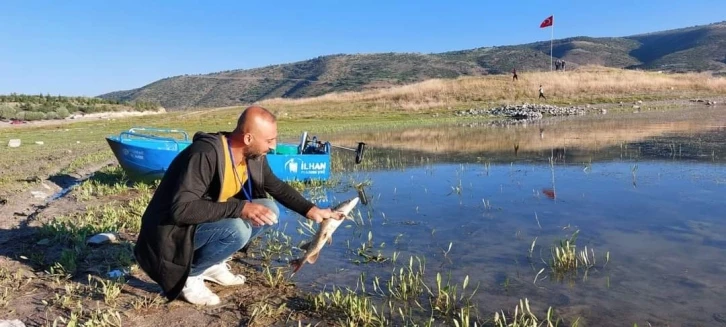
(318, 214)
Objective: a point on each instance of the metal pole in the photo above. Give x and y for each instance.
(551, 39)
(342, 147)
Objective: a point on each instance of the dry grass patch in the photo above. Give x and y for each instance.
(586, 84)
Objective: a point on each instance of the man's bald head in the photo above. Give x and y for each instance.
(256, 132)
(251, 116)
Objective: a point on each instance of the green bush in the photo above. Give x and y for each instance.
(7, 112)
(46, 108)
(88, 109)
(62, 112)
(20, 115)
(51, 115)
(34, 115)
(143, 106)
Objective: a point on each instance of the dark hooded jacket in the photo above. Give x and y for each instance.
(187, 196)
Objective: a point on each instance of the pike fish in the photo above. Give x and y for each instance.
(323, 235)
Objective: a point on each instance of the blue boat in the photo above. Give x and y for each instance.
(145, 155)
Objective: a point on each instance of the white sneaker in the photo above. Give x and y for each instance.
(196, 292)
(221, 275)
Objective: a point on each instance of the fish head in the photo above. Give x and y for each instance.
(347, 206)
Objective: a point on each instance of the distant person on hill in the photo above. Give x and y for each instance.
(563, 65)
(541, 93)
(557, 64)
(210, 203)
(514, 75)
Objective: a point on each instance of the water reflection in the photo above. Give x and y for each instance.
(686, 134)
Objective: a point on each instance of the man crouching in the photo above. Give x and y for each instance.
(210, 203)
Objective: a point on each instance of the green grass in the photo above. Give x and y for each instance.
(69, 148)
(568, 261)
(522, 316)
(68, 302)
(71, 231)
(409, 295)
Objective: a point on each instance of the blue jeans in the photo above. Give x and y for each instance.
(217, 241)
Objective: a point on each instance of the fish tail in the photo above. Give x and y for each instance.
(296, 264)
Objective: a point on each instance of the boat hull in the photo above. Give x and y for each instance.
(147, 158)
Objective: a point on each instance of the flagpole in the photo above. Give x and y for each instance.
(551, 39)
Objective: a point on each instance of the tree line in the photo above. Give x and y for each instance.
(41, 107)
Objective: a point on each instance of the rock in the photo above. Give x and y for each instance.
(39, 142)
(11, 323)
(102, 238)
(636, 107)
(38, 194)
(639, 102)
(14, 143)
(524, 111)
(603, 111)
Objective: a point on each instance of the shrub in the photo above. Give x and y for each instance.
(34, 115)
(45, 108)
(26, 106)
(7, 112)
(88, 109)
(62, 112)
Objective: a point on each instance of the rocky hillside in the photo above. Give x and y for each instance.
(698, 48)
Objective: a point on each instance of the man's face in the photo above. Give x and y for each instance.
(260, 139)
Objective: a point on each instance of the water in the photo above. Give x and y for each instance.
(471, 198)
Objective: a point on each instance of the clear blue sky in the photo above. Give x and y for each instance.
(91, 47)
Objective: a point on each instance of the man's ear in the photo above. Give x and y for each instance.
(247, 139)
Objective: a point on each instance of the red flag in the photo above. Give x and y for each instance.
(547, 22)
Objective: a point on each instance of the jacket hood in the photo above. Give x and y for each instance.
(208, 137)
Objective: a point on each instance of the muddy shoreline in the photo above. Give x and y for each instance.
(81, 117)
(23, 214)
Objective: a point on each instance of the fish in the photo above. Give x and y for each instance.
(323, 235)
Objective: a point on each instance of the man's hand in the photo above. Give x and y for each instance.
(318, 214)
(258, 214)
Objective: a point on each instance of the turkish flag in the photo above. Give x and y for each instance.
(547, 22)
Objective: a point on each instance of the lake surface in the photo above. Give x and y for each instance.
(471, 197)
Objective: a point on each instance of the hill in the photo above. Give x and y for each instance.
(698, 48)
